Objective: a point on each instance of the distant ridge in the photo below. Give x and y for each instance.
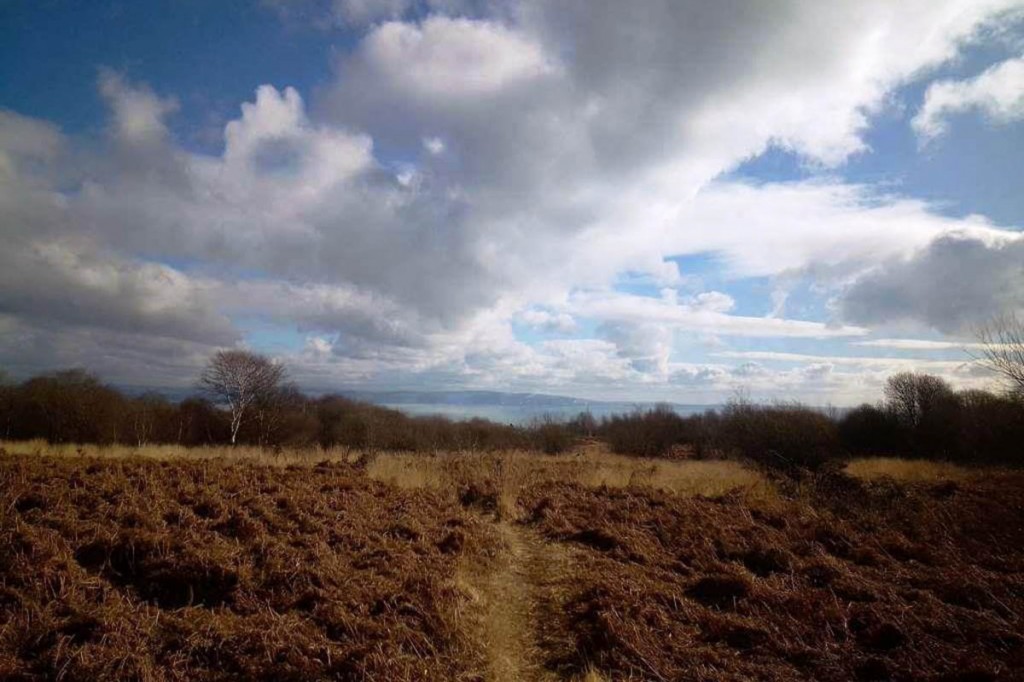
(502, 399)
(452, 398)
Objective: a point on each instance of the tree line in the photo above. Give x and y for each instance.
(242, 398)
(921, 416)
(246, 398)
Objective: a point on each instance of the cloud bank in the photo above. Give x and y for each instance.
(462, 202)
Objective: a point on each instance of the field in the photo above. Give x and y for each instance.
(172, 564)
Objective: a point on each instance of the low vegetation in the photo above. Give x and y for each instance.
(159, 570)
(841, 581)
(258, 533)
(178, 565)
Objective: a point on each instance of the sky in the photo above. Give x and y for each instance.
(655, 200)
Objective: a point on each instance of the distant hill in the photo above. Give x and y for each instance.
(495, 405)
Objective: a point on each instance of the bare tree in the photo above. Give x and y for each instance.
(147, 414)
(913, 398)
(241, 380)
(271, 409)
(1002, 349)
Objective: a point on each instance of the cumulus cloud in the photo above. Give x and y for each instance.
(450, 59)
(997, 93)
(138, 113)
(474, 166)
(331, 14)
(58, 282)
(561, 323)
(24, 144)
(954, 283)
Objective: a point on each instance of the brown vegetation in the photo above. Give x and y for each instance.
(152, 570)
(504, 566)
(844, 581)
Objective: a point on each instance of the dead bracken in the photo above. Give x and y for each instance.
(488, 567)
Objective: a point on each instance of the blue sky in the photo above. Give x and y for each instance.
(660, 201)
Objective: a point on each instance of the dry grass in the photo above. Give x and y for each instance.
(163, 563)
(591, 465)
(852, 582)
(240, 453)
(913, 470)
(209, 570)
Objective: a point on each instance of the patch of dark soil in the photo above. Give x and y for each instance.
(481, 496)
(594, 538)
(873, 670)
(238, 526)
(881, 635)
(764, 561)
(165, 578)
(28, 503)
(452, 542)
(722, 590)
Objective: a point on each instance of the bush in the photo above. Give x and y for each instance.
(550, 436)
(650, 433)
(779, 436)
(869, 429)
(991, 428)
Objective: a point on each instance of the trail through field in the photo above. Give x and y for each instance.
(515, 594)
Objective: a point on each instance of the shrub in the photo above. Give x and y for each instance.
(991, 428)
(650, 433)
(550, 436)
(869, 429)
(779, 436)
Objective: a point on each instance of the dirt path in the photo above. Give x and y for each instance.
(513, 594)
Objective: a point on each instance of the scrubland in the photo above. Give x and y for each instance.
(219, 564)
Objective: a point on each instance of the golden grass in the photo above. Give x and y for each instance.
(908, 470)
(591, 465)
(246, 453)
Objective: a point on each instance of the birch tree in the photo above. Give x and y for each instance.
(241, 380)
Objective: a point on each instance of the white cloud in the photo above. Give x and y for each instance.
(533, 155)
(561, 323)
(138, 112)
(997, 92)
(919, 344)
(23, 143)
(274, 146)
(449, 59)
(359, 12)
(695, 317)
(890, 364)
(434, 145)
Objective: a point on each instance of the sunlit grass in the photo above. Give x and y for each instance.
(246, 453)
(592, 466)
(907, 469)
